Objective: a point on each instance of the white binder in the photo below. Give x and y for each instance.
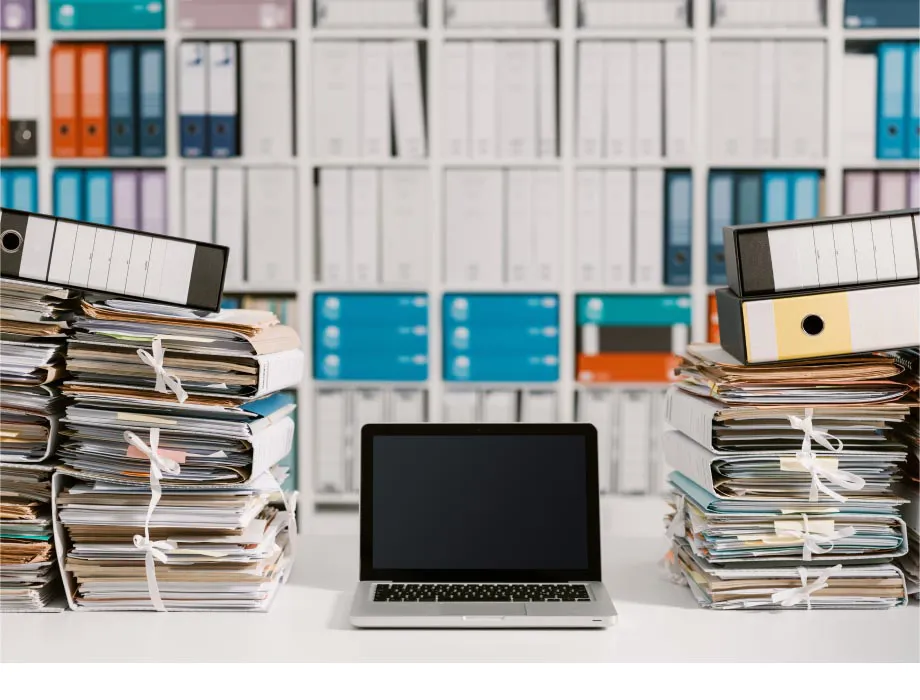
(330, 441)
(334, 238)
(405, 226)
(648, 98)
(547, 222)
(678, 100)
(271, 225)
(619, 95)
(732, 100)
(376, 126)
(267, 104)
(336, 99)
(860, 106)
(455, 57)
(474, 222)
(483, 108)
(230, 220)
(408, 108)
(589, 224)
(365, 226)
(800, 99)
(517, 99)
(547, 100)
(520, 227)
(618, 228)
(193, 83)
(649, 229)
(198, 204)
(590, 99)
(634, 418)
(765, 108)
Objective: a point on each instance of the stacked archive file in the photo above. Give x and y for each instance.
(500, 405)
(108, 100)
(866, 191)
(19, 118)
(131, 199)
(639, 14)
(501, 338)
(253, 211)
(881, 116)
(633, 229)
(370, 353)
(16, 15)
(789, 447)
(35, 320)
(500, 13)
(236, 98)
(744, 197)
(768, 13)
(909, 434)
(166, 492)
(343, 14)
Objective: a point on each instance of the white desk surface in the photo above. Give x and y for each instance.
(658, 621)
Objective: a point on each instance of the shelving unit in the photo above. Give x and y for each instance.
(433, 37)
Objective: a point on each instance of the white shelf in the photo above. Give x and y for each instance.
(892, 34)
(335, 499)
(662, 289)
(612, 164)
(239, 34)
(239, 161)
(419, 164)
(638, 34)
(368, 289)
(19, 34)
(772, 164)
(110, 35)
(883, 165)
(501, 33)
(767, 33)
(267, 289)
(552, 162)
(109, 162)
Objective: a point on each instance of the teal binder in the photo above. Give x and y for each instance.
(23, 189)
(804, 187)
(68, 193)
(99, 197)
(151, 100)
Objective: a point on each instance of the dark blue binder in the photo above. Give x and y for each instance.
(122, 101)
(721, 214)
(151, 100)
(679, 227)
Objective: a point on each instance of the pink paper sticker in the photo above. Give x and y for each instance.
(176, 455)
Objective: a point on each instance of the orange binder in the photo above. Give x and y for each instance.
(65, 87)
(93, 99)
(713, 320)
(627, 367)
(4, 117)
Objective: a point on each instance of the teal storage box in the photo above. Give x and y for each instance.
(107, 14)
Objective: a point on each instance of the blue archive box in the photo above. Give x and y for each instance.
(151, 100)
(804, 187)
(107, 14)
(679, 225)
(747, 198)
(68, 193)
(777, 198)
(371, 309)
(492, 340)
(372, 366)
(20, 188)
(892, 101)
(122, 101)
(501, 309)
(351, 339)
(521, 368)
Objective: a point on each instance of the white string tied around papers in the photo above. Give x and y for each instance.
(793, 596)
(812, 541)
(159, 465)
(812, 463)
(166, 381)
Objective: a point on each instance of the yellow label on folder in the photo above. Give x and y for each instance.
(790, 316)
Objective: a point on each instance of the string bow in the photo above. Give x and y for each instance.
(166, 380)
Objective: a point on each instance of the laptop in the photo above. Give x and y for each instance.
(480, 526)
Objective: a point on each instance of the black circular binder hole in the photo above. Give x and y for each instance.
(11, 241)
(152, 129)
(680, 257)
(720, 257)
(192, 128)
(812, 325)
(893, 130)
(65, 129)
(120, 130)
(91, 129)
(221, 128)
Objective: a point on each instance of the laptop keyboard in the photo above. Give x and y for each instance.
(480, 592)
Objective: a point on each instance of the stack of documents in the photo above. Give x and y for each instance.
(29, 579)
(909, 434)
(786, 480)
(178, 426)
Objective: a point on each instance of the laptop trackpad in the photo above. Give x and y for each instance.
(482, 609)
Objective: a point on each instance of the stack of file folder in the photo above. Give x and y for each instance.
(786, 478)
(34, 323)
(909, 434)
(166, 496)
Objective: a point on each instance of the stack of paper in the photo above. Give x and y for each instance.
(786, 479)
(909, 434)
(178, 427)
(29, 579)
(34, 323)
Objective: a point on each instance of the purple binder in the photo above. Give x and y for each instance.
(124, 199)
(236, 14)
(17, 14)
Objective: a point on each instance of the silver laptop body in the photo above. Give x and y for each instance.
(493, 525)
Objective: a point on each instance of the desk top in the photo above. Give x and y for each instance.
(658, 621)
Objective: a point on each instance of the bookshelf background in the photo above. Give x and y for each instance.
(433, 37)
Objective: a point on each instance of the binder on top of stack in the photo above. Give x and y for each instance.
(791, 441)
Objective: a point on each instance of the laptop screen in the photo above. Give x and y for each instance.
(481, 502)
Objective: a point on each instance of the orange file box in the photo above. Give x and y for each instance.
(627, 367)
(65, 115)
(93, 100)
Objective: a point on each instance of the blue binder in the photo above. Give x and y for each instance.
(634, 309)
(151, 100)
(122, 142)
(192, 129)
(777, 202)
(98, 189)
(355, 339)
(221, 121)
(882, 13)
(747, 198)
(23, 189)
(678, 228)
(721, 214)
(371, 366)
(5, 178)
(913, 100)
(892, 100)
(804, 188)
(68, 193)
